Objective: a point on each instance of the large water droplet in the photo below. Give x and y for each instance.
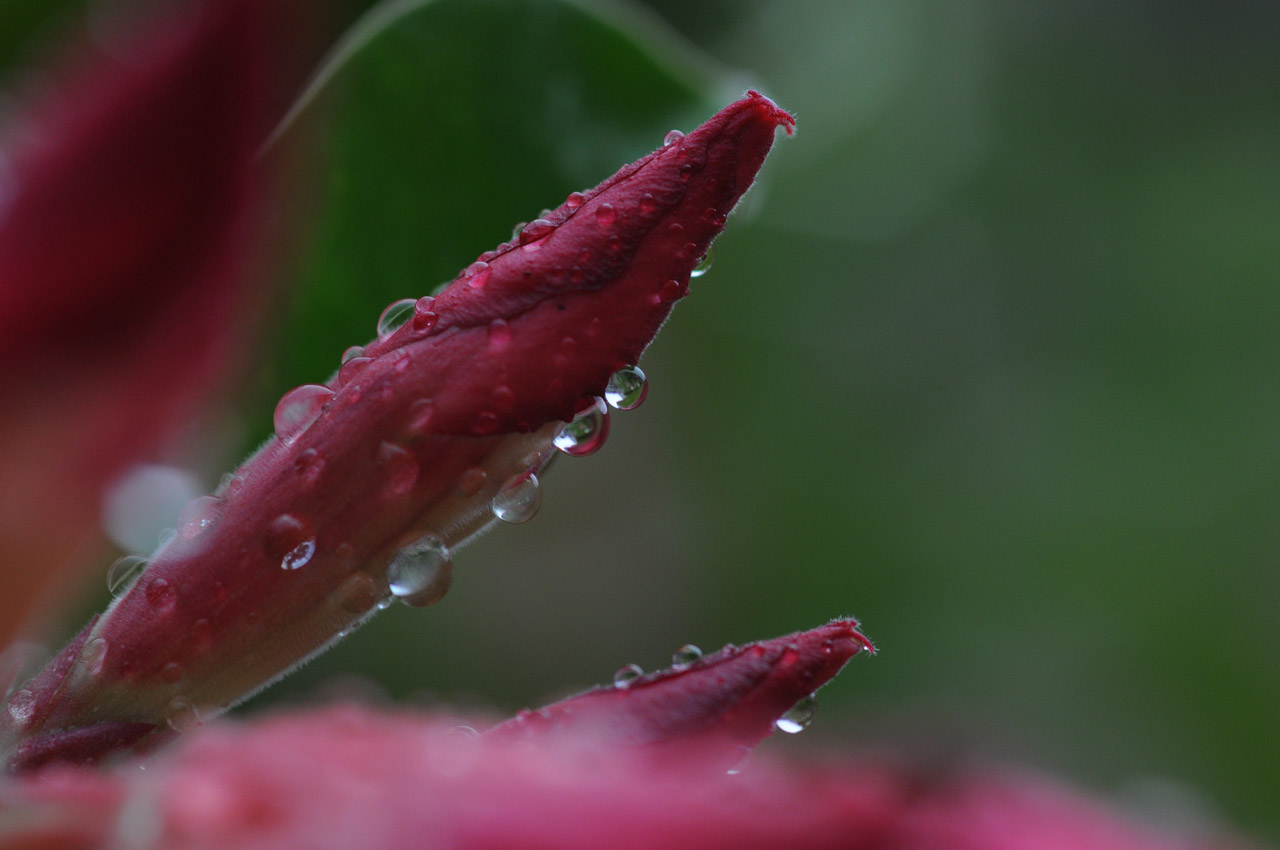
(606, 215)
(537, 229)
(626, 675)
(299, 407)
(586, 433)
(122, 573)
(798, 716)
(350, 369)
(685, 655)
(627, 388)
(574, 200)
(671, 138)
(420, 574)
(395, 315)
(519, 499)
(299, 556)
(352, 353)
(672, 290)
(197, 516)
(704, 264)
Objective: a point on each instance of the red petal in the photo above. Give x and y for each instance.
(417, 439)
(724, 701)
(123, 242)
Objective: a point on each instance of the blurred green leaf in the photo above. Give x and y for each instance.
(442, 124)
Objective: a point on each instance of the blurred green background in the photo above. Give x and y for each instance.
(989, 360)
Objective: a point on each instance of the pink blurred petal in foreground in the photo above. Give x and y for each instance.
(127, 200)
(346, 777)
(412, 441)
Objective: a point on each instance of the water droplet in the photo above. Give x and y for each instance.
(160, 594)
(424, 316)
(299, 556)
(686, 171)
(477, 274)
(470, 482)
(309, 465)
(626, 675)
(420, 413)
(352, 352)
(22, 706)
(94, 655)
(171, 672)
(499, 334)
(586, 433)
(798, 716)
(384, 604)
(647, 203)
(486, 422)
(574, 200)
(671, 138)
(703, 265)
(627, 388)
(301, 406)
(196, 516)
(286, 539)
(503, 397)
(396, 314)
(359, 592)
(420, 574)
(519, 499)
(606, 215)
(181, 716)
(537, 229)
(121, 574)
(685, 655)
(400, 467)
(672, 290)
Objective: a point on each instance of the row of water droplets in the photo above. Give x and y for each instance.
(795, 719)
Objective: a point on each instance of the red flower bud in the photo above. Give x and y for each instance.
(445, 420)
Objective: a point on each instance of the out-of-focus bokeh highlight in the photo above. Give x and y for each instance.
(990, 360)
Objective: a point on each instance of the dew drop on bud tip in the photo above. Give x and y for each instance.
(704, 264)
(395, 315)
(671, 138)
(574, 200)
(586, 433)
(298, 408)
(627, 388)
(798, 716)
(519, 499)
(685, 655)
(626, 675)
(122, 573)
(421, 573)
